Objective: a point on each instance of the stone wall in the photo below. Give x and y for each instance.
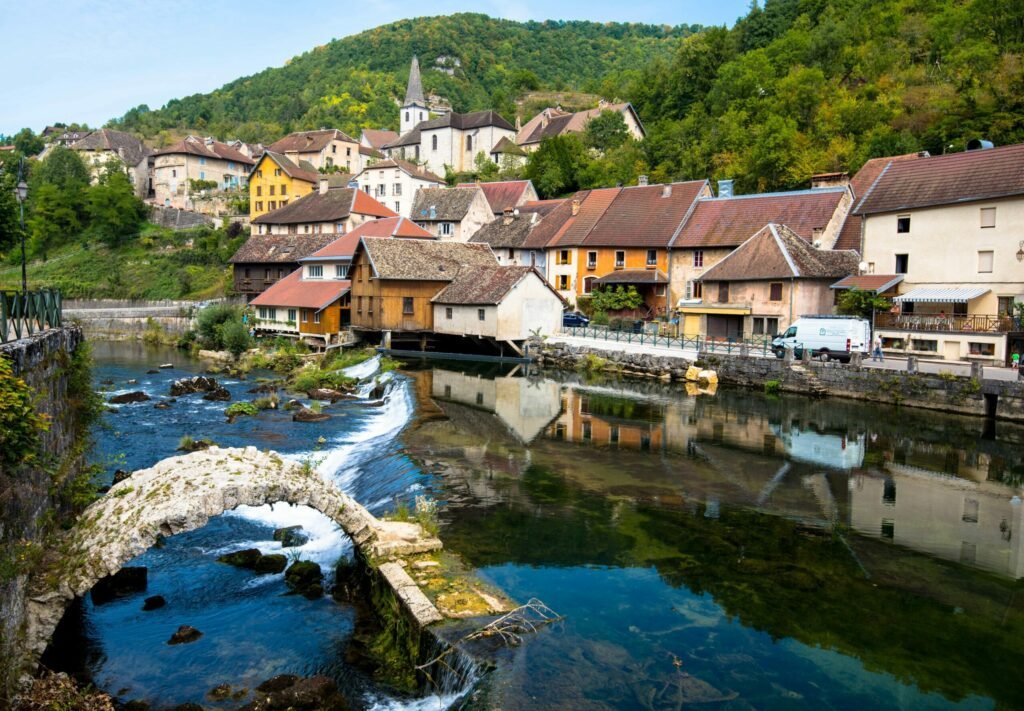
(946, 392)
(29, 496)
(177, 219)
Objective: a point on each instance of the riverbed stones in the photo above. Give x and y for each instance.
(195, 384)
(308, 415)
(162, 405)
(125, 398)
(305, 578)
(291, 536)
(127, 581)
(218, 395)
(185, 635)
(315, 692)
(153, 603)
(293, 405)
(246, 558)
(271, 564)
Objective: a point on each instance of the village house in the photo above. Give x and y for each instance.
(376, 138)
(197, 159)
(718, 225)
(504, 195)
(106, 146)
(768, 282)
(63, 136)
(451, 215)
(334, 208)
(950, 226)
(502, 304)
(328, 149)
(394, 281)
(555, 122)
(507, 155)
(275, 179)
(512, 236)
(263, 260)
(394, 182)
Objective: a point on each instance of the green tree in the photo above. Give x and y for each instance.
(606, 130)
(27, 142)
(856, 302)
(235, 337)
(63, 168)
(115, 214)
(53, 220)
(615, 299)
(555, 167)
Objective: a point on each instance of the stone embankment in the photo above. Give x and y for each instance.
(942, 391)
(117, 319)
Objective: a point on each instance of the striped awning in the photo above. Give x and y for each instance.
(942, 295)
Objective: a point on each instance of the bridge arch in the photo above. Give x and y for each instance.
(181, 494)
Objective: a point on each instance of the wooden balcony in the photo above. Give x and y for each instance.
(949, 323)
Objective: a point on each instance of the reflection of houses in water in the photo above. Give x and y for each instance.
(974, 523)
(836, 451)
(593, 416)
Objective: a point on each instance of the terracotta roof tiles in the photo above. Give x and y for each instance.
(332, 206)
(501, 195)
(345, 246)
(309, 141)
(295, 292)
(481, 285)
(777, 252)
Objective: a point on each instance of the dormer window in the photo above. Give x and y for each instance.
(315, 271)
(340, 271)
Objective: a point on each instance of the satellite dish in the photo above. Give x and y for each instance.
(863, 266)
(516, 212)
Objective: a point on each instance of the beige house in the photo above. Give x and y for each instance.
(328, 149)
(331, 209)
(197, 159)
(395, 182)
(768, 282)
(503, 304)
(449, 214)
(452, 141)
(106, 146)
(950, 225)
(556, 122)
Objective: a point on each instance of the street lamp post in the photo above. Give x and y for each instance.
(21, 193)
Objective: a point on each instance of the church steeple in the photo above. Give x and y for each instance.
(414, 110)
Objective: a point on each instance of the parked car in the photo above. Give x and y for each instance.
(574, 319)
(827, 337)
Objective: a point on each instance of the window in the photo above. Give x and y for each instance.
(533, 258)
(563, 282)
(316, 271)
(247, 268)
(620, 259)
(367, 188)
(202, 175)
(407, 308)
(445, 229)
(564, 256)
(259, 208)
(433, 142)
(272, 313)
(481, 314)
(613, 434)
(922, 344)
(267, 274)
(348, 151)
(903, 224)
(316, 317)
(305, 316)
(982, 349)
(263, 312)
(757, 326)
(479, 398)
(334, 148)
(511, 254)
(382, 190)
(591, 260)
(1005, 307)
(902, 263)
(588, 430)
(339, 228)
(985, 259)
(407, 117)
(871, 267)
(396, 189)
(277, 172)
(775, 291)
(202, 161)
(659, 290)
(174, 174)
(988, 217)
(259, 173)
(305, 228)
(291, 315)
(359, 304)
(888, 529)
(698, 258)
(340, 271)
(771, 326)
(448, 313)
(588, 284)
(284, 189)
(694, 289)
(469, 143)
(652, 257)
(889, 493)
(723, 292)
(398, 206)
(970, 514)
(270, 190)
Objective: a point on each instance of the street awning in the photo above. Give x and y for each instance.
(726, 310)
(942, 295)
(633, 276)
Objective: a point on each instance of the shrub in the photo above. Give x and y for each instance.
(235, 337)
(591, 363)
(210, 321)
(241, 408)
(772, 387)
(20, 424)
(266, 403)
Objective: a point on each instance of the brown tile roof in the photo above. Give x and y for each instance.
(345, 246)
(645, 215)
(433, 204)
(504, 145)
(303, 170)
(869, 282)
(309, 141)
(634, 276)
(592, 206)
(423, 260)
(408, 168)
(130, 148)
(501, 194)
(777, 252)
(295, 292)
(850, 233)
(555, 122)
(409, 138)
(474, 119)
(334, 205)
(541, 207)
(279, 248)
(370, 152)
(379, 137)
(728, 222)
(946, 179)
(554, 223)
(507, 232)
(206, 149)
(481, 285)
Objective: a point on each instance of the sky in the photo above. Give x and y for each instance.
(92, 60)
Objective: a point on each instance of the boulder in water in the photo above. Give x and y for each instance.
(305, 578)
(293, 405)
(219, 692)
(289, 692)
(273, 563)
(307, 415)
(136, 396)
(162, 405)
(196, 384)
(291, 536)
(126, 581)
(153, 603)
(218, 395)
(184, 635)
(266, 388)
(277, 683)
(326, 394)
(247, 558)
(152, 371)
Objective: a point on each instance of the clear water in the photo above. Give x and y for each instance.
(736, 550)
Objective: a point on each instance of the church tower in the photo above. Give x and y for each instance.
(414, 109)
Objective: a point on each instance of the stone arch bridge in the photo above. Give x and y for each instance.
(181, 494)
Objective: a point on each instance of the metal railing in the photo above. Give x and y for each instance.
(700, 344)
(976, 323)
(24, 313)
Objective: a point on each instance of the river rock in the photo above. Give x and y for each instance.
(135, 705)
(305, 578)
(218, 395)
(277, 683)
(247, 558)
(288, 692)
(273, 563)
(152, 371)
(136, 396)
(120, 475)
(291, 536)
(188, 707)
(266, 388)
(184, 635)
(133, 381)
(326, 394)
(293, 405)
(219, 692)
(126, 581)
(196, 384)
(153, 603)
(162, 405)
(307, 415)
(348, 580)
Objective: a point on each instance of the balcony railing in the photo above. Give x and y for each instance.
(950, 323)
(22, 314)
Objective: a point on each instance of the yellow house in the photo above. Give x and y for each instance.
(276, 180)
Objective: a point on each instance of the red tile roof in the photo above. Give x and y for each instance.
(206, 149)
(501, 195)
(309, 141)
(645, 215)
(777, 252)
(345, 246)
(379, 137)
(946, 179)
(869, 282)
(302, 170)
(294, 292)
(729, 222)
(334, 205)
(366, 205)
(850, 234)
(592, 207)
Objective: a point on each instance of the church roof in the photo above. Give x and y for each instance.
(414, 91)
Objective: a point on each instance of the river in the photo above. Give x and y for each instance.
(734, 549)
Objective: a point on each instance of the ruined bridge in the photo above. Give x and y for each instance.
(181, 494)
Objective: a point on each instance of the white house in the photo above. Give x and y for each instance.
(451, 215)
(394, 182)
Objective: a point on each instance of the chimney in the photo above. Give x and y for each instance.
(830, 180)
(575, 207)
(725, 188)
(519, 123)
(507, 216)
(533, 218)
(979, 144)
(324, 185)
(641, 180)
(666, 190)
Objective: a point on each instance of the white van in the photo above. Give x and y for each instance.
(827, 337)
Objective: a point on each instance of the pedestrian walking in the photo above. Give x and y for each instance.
(1015, 361)
(876, 349)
